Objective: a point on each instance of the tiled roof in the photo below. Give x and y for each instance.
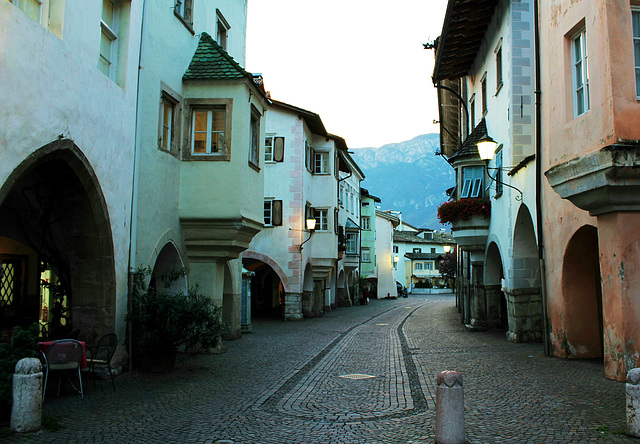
(423, 256)
(212, 62)
(412, 237)
(468, 147)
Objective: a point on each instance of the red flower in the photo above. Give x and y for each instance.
(463, 209)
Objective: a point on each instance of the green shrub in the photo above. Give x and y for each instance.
(162, 320)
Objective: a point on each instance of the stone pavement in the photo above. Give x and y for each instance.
(364, 374)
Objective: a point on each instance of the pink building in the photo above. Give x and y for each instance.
(590, 83)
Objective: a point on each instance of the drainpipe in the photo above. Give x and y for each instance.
(133, 226)
(543, 291)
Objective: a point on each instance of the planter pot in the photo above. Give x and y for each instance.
(157, 362)
(471, 234)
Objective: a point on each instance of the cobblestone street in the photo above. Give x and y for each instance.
(364, 374)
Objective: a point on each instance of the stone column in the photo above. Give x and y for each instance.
(524, 307)
(292, 307)
(26, 411)
(633, 402)
(449, 408)
(492, 295)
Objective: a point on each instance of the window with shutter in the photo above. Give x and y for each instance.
(278, 149)
(276, 211)
(472, 181)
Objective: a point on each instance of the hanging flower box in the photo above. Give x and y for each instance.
(469, 219)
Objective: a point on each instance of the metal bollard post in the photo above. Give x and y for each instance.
(26, 412)
(633, 401)
(449, 408)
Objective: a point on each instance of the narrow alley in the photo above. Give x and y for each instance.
(364, 374)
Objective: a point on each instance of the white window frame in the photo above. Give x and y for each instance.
(268, 148)
(42, 14)
(222, 30)
(195, 105)
(635, 12)
(417, 250)
(209, 131)
(321, 162)
(428, 265)
(352, 243)
(109, 31)
(366, 223)
(417, 266)
(366, 255)
(321, 216)
(580, 65)
(184, 10)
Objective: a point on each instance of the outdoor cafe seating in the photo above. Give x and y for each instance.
(60, 356)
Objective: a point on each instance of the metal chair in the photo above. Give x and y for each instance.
(65, 354)
(75, 334)
(102, 355)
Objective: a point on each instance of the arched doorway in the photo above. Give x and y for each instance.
(582, 292)
(267, 290)
(52, 205)
(169, 271)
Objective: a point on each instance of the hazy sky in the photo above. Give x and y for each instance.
(359, 64)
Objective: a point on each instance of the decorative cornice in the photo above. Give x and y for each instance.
(210, 240)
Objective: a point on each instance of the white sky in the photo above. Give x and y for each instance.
(359, 64)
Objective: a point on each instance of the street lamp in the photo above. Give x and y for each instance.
(486, 147)
(447, 248)
(396, 259)
(311, 226)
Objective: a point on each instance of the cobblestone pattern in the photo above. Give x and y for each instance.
(283, 385)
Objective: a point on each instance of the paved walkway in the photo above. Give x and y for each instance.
(364, 374)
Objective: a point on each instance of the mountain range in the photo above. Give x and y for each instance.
(408, 177)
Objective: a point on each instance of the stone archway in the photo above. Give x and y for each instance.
(53, 203)
(493, 277)
(169, 271)
(524, 300)
(582, 293)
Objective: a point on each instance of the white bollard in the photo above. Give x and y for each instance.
(26, 411)
(633, 401)
(449, 408)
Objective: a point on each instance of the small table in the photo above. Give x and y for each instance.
(43, 346)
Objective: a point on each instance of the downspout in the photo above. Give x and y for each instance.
(133, 227)
(543, 291)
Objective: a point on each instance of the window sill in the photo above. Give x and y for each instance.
(173, 153)
(206, 157)
(186, 24)
(254, 166)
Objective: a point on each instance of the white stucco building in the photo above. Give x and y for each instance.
(69, 90)
(386, 222)
(486, 82)
(296, 269)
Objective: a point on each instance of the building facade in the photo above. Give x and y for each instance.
(590, 82)
(485, 79)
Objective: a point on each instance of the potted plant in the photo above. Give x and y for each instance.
(163, 321)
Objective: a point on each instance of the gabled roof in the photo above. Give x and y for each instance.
(313, 120)
(465, 24)
(212, 62)
(365, 193)
(468, 147)
(413, 238)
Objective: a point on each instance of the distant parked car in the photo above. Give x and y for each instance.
(402, 290)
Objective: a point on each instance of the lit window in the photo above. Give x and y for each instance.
(168, 119)
(580, 75)
(208, 131)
